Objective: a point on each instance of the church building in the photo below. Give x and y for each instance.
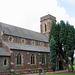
(22, 49)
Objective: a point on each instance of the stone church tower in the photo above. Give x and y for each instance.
(46, 22)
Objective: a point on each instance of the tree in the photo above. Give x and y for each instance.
(62, 32)
(70, 44)
(54, 32)
(53, 41)
(52, 54)
(64, 36)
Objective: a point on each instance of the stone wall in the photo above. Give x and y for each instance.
(4, 68)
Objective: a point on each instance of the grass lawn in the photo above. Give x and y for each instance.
(54, 73)
(74, 67)
(61, 74)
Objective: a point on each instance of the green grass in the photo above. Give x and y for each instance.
(74, 67)
(61, 74)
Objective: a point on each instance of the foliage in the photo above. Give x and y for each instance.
(73, 67)
(62, 32)
(64, 36)
(69, 53)
(53, 54)
(54, 32)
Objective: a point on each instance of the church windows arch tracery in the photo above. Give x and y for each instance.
(19, 58)
(33, 59)
(43, 59)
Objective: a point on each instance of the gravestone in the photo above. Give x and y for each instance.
(41, 71)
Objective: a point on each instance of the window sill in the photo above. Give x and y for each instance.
(43, 64)
(32, 64)
(5, 65)
(19, 65)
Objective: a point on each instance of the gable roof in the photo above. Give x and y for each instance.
(3, 52)
(24, 33)
(16, 46)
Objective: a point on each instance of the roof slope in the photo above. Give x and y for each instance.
(16, 46)
(24, 33)
(3, 52)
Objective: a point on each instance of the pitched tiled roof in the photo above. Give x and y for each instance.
(27, 47)
(3, 52)
(21, 32)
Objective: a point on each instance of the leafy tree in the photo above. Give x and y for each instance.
(64, 36)
(54, 32)
(62, 32)
(53, 40)
(70, 44)
(52, 54)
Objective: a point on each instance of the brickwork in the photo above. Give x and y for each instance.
(48, 21)
(0, 36)
(26, 60)
(18, 40)
(48, 17)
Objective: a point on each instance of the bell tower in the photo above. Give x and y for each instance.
(46, 22)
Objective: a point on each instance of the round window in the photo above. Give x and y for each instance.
(23, 41)
(10, 39)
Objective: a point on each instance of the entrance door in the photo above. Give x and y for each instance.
(60, 65)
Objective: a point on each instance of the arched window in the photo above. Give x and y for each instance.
(43, 59)
(32, 59)
(18, 58)
(45, 28)
(5, 62)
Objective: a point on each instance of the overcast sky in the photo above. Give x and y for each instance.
(27, 13)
